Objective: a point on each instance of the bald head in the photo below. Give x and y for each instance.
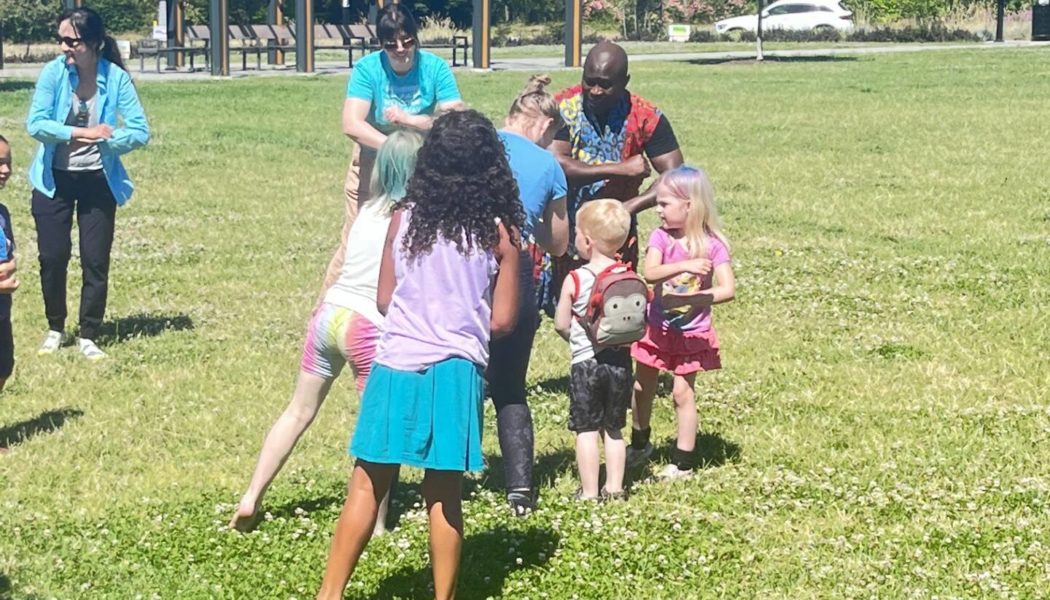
(607, 57)
(604, 77)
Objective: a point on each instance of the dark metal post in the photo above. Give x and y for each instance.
(481, 34)
(1, 44)
(1000, 16)
(573, 33)
(304, 36)
(218, 23)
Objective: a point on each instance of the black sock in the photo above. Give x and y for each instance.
(640, 437)
(685, 460)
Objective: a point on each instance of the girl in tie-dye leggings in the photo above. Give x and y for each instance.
(344, 327)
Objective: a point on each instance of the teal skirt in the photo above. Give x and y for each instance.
(427, 419)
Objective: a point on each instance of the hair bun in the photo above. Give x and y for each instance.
(536, 84)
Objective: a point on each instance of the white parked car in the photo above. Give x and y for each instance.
(793, 15)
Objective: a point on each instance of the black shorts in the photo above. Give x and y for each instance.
(7, 349)
(600, 392)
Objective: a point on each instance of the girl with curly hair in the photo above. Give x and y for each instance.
(448, 283)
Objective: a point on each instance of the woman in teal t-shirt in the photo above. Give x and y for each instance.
(400, 87)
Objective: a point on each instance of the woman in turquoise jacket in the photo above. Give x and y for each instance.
(77, 168)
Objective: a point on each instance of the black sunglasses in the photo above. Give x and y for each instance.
(71, 42)
(406, 44)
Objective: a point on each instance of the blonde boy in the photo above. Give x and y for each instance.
(600, 382)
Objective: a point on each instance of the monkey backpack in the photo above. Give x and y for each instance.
(615, 313)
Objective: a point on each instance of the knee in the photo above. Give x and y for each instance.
(682, 394)
(55, 255)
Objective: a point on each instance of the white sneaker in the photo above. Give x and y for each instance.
(52, 342)
(671, 472)
(637, 458)
(90, 350)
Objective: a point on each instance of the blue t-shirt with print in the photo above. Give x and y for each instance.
(418, 92)
(539, 176)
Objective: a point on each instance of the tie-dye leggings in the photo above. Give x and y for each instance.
(336, 336)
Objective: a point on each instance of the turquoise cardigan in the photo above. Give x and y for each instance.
(52, 100)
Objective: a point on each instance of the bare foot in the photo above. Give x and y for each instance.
(245, 516)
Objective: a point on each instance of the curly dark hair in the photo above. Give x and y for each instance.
(461, 186)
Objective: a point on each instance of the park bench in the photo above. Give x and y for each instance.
(158, 48)
(273, 37)
(369, 41)
(246, 42)
(342, 36)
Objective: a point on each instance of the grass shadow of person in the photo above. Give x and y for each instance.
(712, 450)
(141, 325)
(546, 469)
(485, 564)
(45, 422)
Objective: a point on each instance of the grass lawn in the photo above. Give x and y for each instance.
(880, 427)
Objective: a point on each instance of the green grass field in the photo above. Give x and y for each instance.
(880, 428)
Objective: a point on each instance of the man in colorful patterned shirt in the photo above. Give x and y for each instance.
(603, 147)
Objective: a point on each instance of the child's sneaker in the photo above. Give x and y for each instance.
(637, 458)
(608, 496)
(52, 342)
(90, 350)
(672, 472)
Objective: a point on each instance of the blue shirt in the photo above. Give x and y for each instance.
(539, 176)
(7, 238)
(52, 100)
(418, 92)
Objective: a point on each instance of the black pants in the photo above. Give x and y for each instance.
(508, 365)
(87, 193)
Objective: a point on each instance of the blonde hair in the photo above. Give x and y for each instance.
(701, 222)
(535, 101)
(606, 222)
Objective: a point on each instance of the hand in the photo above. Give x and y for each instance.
(7, 269)
(636, 166)
(396, 115)
(698, 266)
(101, 131)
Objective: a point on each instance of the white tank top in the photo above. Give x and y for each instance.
(579, 343)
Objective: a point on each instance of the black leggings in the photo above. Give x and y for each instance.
(87, 194)
(508, 365)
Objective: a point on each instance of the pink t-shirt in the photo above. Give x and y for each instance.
(685, 319)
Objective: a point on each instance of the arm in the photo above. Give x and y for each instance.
(39, 123)
(356, 126)
(553, 234)
(662, 164)
(579, 173)
(724, 290)
(505, 296)
(563, 312)
(135, 132)
(657, 273)
(397, 116)
(387, 278)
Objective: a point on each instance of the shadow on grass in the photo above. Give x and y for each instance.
(484, 567)
(712, 450)
(545, 470)
(46, 422)
(555, 385)
(770, 59)
(15, 86)
(141, 325)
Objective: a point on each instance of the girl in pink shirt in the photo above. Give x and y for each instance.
(687, 261)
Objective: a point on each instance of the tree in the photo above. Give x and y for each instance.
(27, 21)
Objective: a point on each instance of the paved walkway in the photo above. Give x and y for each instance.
(554, 63)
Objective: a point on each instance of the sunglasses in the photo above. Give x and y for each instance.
(68, 41)
(405, 43)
